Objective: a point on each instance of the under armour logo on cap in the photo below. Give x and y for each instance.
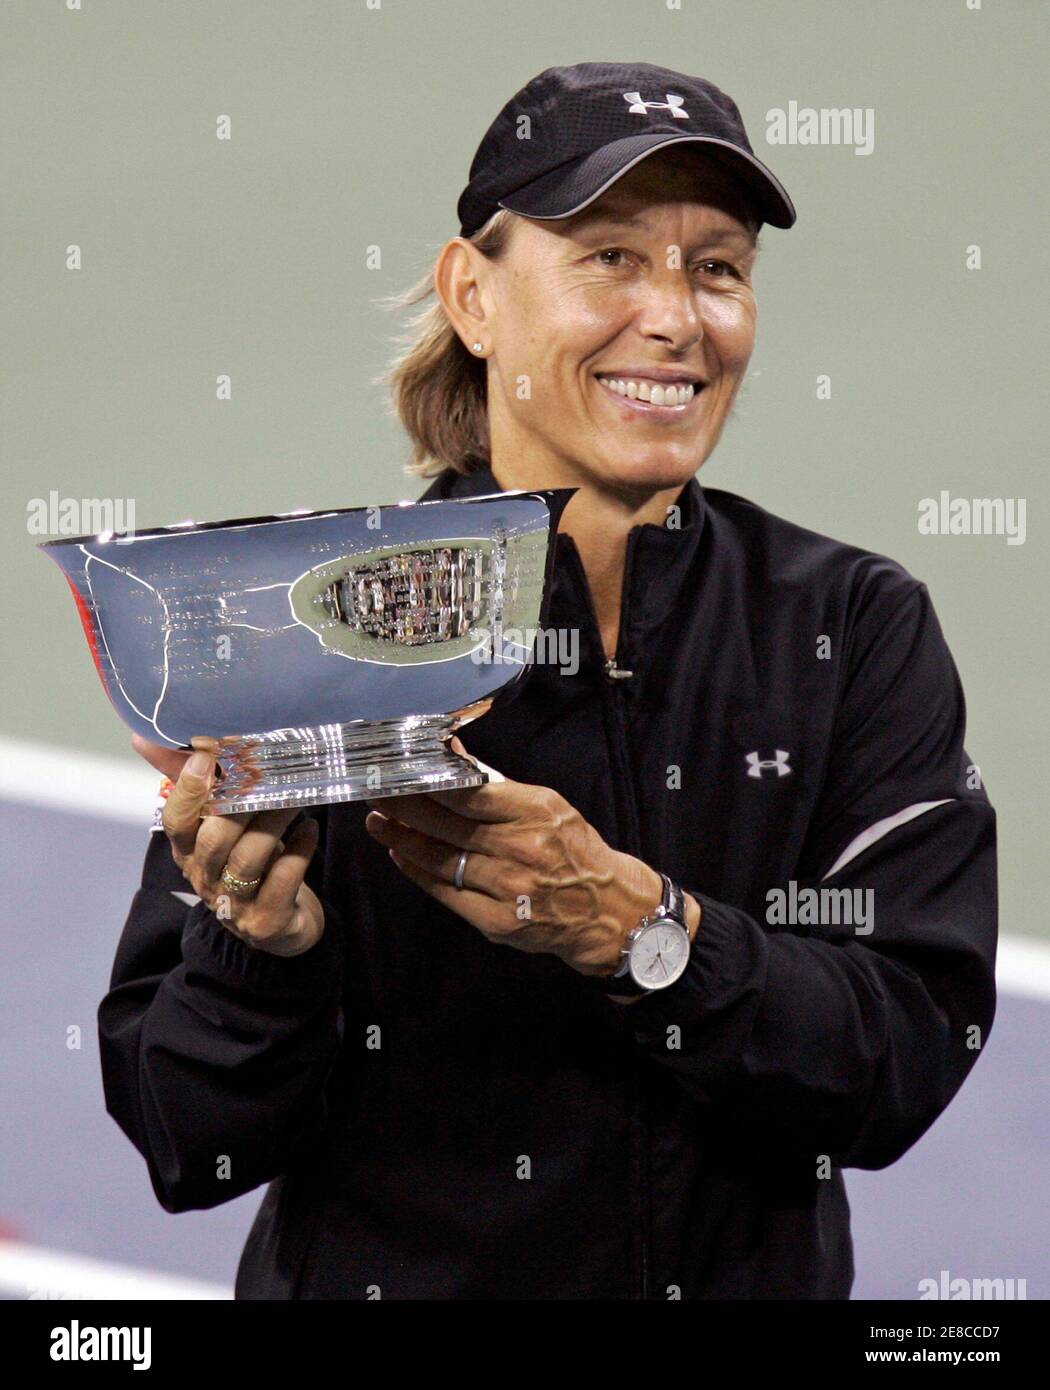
(674, 104)
(757, 765)
(571, 132)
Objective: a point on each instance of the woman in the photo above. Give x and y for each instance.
(742, 865)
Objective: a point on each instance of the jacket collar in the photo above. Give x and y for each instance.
(659, 562)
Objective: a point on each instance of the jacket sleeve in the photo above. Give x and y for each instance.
(215, 1054)
(835, 1037)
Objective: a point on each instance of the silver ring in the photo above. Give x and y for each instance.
(457, 877)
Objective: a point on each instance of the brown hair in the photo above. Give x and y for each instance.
(438, 386)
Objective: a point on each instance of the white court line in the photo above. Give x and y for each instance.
(30, 1272)
(1022, 967)
(39, 774)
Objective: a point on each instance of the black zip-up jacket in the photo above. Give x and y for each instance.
(441, 1117)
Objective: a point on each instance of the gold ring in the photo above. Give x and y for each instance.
(242, 887)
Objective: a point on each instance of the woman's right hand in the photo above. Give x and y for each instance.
(282, 915)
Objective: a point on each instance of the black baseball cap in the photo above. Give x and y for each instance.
(588, 124)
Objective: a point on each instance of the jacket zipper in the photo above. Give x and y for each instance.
(615, 686)
(614, 694)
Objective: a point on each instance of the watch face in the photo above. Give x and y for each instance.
(659, 954)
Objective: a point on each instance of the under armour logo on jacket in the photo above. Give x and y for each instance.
(638, 107)
(757, 765)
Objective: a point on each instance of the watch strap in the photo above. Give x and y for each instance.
(673, 901)
(673, 904)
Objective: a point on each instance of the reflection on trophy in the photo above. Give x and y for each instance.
(330, 656)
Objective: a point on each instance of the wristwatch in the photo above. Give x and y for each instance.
(656, 951)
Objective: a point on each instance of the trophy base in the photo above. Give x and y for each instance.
(330, 763)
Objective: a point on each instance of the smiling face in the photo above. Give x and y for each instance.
(632, 324)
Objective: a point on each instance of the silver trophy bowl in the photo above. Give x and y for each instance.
(322, 656)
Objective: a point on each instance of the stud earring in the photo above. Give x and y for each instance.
(478, 347)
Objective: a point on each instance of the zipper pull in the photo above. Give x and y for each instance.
(614, 673)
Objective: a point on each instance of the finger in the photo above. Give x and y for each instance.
(478, 909)
(186, 801)
(215, 839)
(482, 873)
(423, 814)
(235, 905)
(493, 802)
(490, 772)
(218, 835)
(465, 799)
(169, 761)
(201, 744)
(252, 852)
(281, 885)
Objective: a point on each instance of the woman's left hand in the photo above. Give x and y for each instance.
(538, 876)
